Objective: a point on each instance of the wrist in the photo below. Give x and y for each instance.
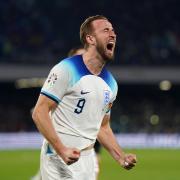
(60, 148)
(121, 159)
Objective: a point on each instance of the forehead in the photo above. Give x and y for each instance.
(101, 24)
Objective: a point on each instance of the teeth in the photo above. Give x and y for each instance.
(111, 42)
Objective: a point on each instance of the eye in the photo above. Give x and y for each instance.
(106, 30)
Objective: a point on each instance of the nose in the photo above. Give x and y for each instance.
(113, 34)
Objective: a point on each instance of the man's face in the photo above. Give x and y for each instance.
(105, 38)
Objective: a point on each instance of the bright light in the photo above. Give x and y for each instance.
(165, 85)
(29, 83)
(154, 119)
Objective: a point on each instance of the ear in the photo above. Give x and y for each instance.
(90, 39)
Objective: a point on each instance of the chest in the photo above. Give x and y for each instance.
(93, 89)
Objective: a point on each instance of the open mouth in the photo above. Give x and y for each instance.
(110, 46)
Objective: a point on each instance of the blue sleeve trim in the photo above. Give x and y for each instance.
(49, 151)
(54, 98)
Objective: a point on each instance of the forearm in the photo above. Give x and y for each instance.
(108, 140)
(45, 126)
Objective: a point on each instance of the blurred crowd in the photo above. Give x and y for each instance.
(146, 109)
(138, 108)
(39, 32)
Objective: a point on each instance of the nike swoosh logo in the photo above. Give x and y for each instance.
(85, 92)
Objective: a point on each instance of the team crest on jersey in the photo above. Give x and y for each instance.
(106, 97)
(52, 79)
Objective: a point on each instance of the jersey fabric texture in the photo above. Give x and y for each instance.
(83, 100)
(54, 168)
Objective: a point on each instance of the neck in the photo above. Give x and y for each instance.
(93, 62)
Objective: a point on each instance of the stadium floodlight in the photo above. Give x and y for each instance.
(165, 85)
(29, 83)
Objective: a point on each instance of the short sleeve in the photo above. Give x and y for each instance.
(115, 91)
(114, 95)
(56, 83)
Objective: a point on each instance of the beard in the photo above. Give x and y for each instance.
(106, 55)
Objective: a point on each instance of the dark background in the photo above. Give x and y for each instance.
(37, 33)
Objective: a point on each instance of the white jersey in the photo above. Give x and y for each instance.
(83, 100)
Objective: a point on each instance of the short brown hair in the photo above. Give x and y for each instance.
(74, 50)
(86, 27)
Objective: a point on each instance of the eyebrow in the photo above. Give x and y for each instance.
(108, 28)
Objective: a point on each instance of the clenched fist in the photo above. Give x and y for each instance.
(128, 161)
(70, 155)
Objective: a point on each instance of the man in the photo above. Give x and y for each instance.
(97, 146)
(73, 108)
(78, 51)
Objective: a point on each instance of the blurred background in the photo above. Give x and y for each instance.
(35, 35)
